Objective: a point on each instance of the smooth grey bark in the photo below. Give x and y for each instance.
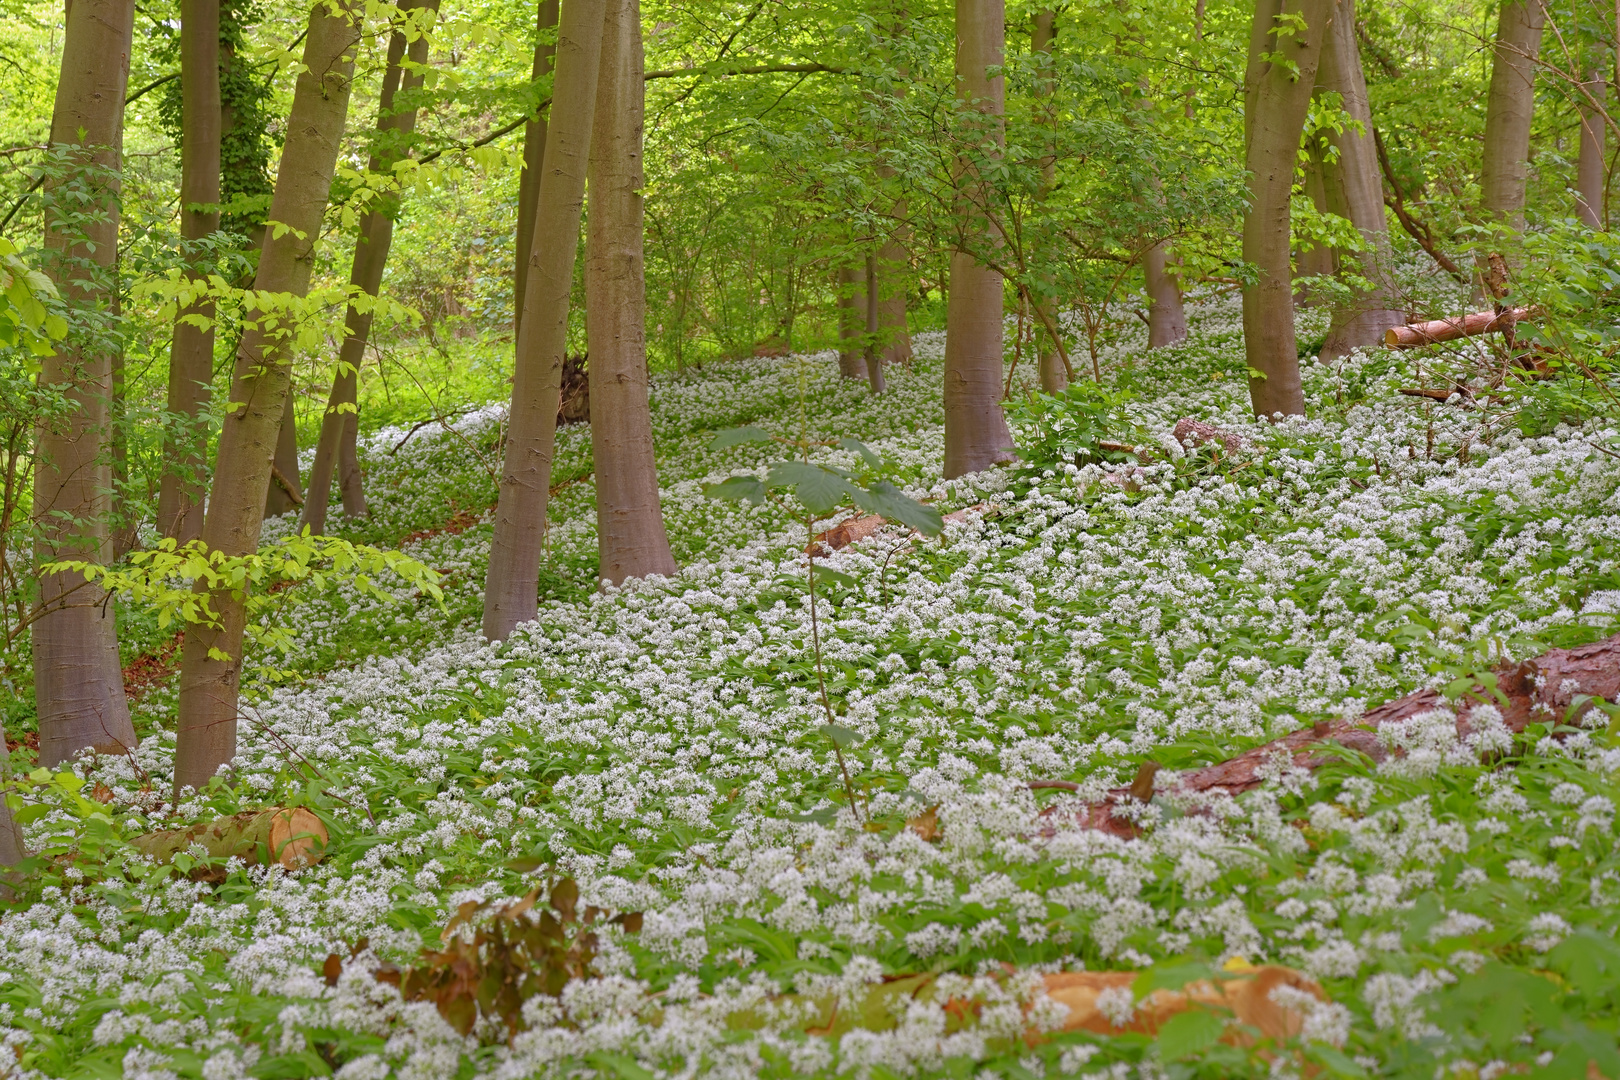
(191, 355)
(630, 536)
(1314, 260)
(284, 492)
(1355, 191)
(873, 355)
(895, 281)
(1053, 375)
(512, 585)
(976, 435)
(209, 685)
(851, 321)
(1509, 109)
(534, 158)
(340, 423)
(78, 687)
(1277, 97)
(1590, 166)
(1167, 318)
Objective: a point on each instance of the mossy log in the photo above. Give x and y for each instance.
(293, 837)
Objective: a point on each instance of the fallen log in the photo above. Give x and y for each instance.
(856, 529)
(293, 838)
(1544, 688)
(1438, 330)
(1191, 433)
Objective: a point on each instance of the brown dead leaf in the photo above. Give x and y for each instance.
(926, 824)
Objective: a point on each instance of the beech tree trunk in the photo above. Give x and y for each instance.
(873, 355)
(1355, 191)
(1509, 108)
(1277, 97)
(1313, 260)
(630, 536)
(284, 493)
(1053, 375)
(1167, 319)
(1590, 168)
(851, 321)
(534, 157)
(78, 687)
(247, 443)
(512, 587)
(895, 280)
(340, 422)
(191, 356)
(976, 435)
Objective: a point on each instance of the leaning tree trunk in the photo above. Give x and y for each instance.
(1053, 374)
(976, 435)
(340, 422)
(191, 355)
(211, 661)
(851, 321)
(1277, 97)
(1509, 108)
(630, 536)
(1355, 191)
(534, 158)
(78, 688)
(1590, 168)
(512, 586)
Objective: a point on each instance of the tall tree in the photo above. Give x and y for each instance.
(191, 355)
(630, 535)
(340, 423)
(1167, 318)
(78, 688)
(1285, 47)
(976, 435)
(211, 659)
(1355, 191)
(1053, 375)
(534, 156)
(1591, 168)
(874, 314)
(851, 321)
(512, 586)
(1509, 108)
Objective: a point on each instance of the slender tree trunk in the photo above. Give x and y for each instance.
(1313, 260)
(630, 536)
(1167, 319)
(512, 587)
(1355, 191)
(283, 494)
(1509, 108)
(209, 685)
(894, 280)
(851, 321)
(976, 435)
(1277, 98)
(1591, 167)
(534, 157)
(78, 688)
(873, 355)
(11, 841)
(1054, 376)
(339, 424)
(191, 356)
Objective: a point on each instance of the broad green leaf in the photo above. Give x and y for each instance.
(1171, 976)
(871, 459)
(888, 501)
(751, 488)
(1188, 1033)
(836, 577)
(738, 436)
(840, 735)
(819, 489)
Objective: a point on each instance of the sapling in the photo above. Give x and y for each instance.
(820, 491)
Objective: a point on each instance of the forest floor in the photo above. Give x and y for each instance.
(662, 746)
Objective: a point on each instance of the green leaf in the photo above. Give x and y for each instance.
(1336, 1062)
(1188, 1033)
(737, 436)
(620, 1065)
(820, 489)
(840, 735)
(751, 488)
(871, 459)
(835, 577)
(888, 501)
(825, 816)
(1171, 976)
